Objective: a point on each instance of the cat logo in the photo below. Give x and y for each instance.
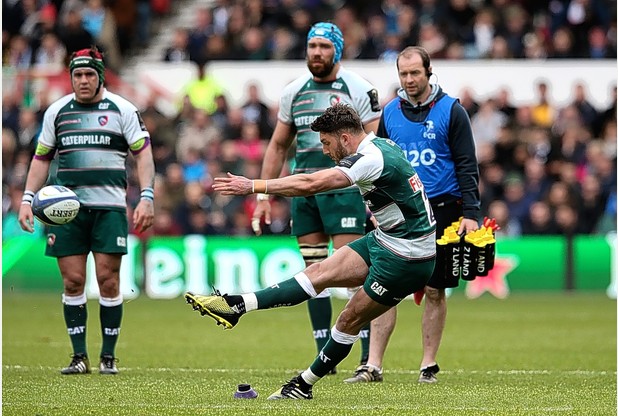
(76, 330)
(378, 288)
(334, 99)
(103, 106)
(323, 357)
(348, 222)
(114, 332)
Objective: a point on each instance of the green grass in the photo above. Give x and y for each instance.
(533, 354)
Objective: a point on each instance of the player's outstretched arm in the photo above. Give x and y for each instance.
(274, 158)
(294, 185)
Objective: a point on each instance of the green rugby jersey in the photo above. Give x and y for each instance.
(304, 100)
(395, 195)
(93, 141)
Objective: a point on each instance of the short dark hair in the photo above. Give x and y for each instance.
(338, 119)
(419, 50)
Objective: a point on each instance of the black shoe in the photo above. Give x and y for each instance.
(332, 372)
(79, 365)
(108, 365)
(224, 309)
(296, 389)
(428, 374)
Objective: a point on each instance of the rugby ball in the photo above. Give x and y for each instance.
(55, 205)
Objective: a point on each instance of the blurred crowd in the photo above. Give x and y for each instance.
(545, 169)
(448, 29)
(44, 32)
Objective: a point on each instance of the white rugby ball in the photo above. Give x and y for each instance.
(55, 205)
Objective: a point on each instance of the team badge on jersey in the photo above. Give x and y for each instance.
(348, 161)
(103, 120)
(142, 125)
(374, 100)
(334, 99)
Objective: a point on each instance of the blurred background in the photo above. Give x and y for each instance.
(537, 77)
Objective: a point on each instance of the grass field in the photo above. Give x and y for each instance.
(533, 354)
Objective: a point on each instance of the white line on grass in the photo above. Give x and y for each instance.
(279, 370)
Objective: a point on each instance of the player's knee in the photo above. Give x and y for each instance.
(433, 294)
(74, 283)
(109, 284)
(349, 322)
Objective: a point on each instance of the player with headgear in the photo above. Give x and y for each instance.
(92, 132)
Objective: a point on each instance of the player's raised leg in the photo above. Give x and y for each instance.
(344, 268)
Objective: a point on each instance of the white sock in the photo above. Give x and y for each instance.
(250, 301)
(309, 377)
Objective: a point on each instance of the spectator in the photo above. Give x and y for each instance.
(376, 32)
(483, 32)
(51, 54)
(72, 34)
(93, 17)
(194, 166)
(539, 220)
(20, 54)
(432, 40)
(253, 45)
(509, 227)
(515, 196)
(196, 135)
(586, 110)
(174, 185)
(486, 123)
(199, 223)
(249, 144)
(459, 18)
(29, 127)
(591, 205)
(164, 224)
(500, 49)
(543, 112)
(179, 50)
(285, 45)
(279, 217)
(467, 100)
(10, 112)
(256, 111)
(408, 25)
(194, 200)
(562, 44)
(567, 220)
(143, 22)
(515, 28)
(204, 90)
(503, 103)
(202, 30)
